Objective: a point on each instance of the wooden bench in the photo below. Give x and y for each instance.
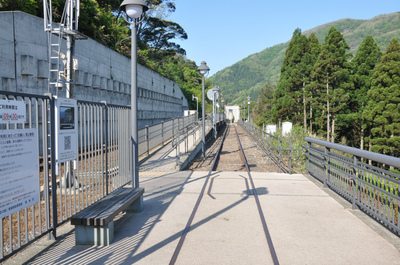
(94, 225)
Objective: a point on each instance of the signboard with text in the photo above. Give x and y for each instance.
(67, 129)
(19, 170)
(12, 111)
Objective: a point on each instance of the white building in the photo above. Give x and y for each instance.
(232, 111)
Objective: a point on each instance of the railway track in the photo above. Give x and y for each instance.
(233, 194)
(229, 159)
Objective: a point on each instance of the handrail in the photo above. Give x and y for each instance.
(372, 187)
(388, 160)
(183, 135)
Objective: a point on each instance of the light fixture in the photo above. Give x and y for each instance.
(133, 8)
(203, 68)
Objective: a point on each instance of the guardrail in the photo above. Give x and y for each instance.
(365, 178)
(279, 150)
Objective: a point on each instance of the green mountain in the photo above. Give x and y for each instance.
(249, 75)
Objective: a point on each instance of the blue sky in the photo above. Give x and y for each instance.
(223, 32)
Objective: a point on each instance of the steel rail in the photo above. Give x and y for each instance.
(191, 218)
(260, 211)
(192, 215)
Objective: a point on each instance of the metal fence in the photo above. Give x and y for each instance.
(367, 179)
(278, 150)
(153, 136)
(180, 142)
(103, 164)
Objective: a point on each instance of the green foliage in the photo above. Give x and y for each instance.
(330, 86)
(354, 125)
(296, 68)
(383, 109)
(32, 7)
(263, 109)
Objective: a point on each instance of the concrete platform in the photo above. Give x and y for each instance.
(306, 223)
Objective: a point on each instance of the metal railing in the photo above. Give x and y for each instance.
(182, 137)
(158, 134)
(278, 150)
(367, 179)
(103, 164)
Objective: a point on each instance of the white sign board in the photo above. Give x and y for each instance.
(19, 170)
(67, 129)
(211, 94)
(12, 111)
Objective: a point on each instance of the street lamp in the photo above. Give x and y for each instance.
(215, 95)
(203, 70)
(134, 9)
(197, 107)
(248, 110)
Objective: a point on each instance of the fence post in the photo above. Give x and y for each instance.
(106, 141)
(353, 183)
(186, 140)
(147, 139)
(162, 132)
(308, 158)
(53, 166)
(173, 128)
(279, 156)
(327, 161)
(263, 131)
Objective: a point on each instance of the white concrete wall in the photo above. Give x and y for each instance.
(102, 75)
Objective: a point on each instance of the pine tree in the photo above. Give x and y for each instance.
(363, 64)
(263, 108)
(330, 77)
(315, 49)
(290, 92)
(383, 109)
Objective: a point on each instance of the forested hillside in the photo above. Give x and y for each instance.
(355, 102)
(249, 76)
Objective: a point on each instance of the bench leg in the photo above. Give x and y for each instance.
(136, 206)
(91, 235)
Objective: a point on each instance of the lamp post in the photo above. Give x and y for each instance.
(248, 110)
(134, 9)
(223, 107)
(215, 106)
(197, 107)
(203, 70)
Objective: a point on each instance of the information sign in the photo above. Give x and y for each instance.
(67, 129)
(12, 111)
(19, 170)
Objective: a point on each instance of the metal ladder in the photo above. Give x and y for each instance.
(54, 37)
(54, 58)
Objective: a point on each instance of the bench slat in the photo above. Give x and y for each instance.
(78, 219)
(103, 211)
(106, 216)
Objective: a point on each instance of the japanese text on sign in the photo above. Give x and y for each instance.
(12, 111)
(19, 180)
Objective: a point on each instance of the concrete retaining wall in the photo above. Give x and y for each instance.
(102, 75)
